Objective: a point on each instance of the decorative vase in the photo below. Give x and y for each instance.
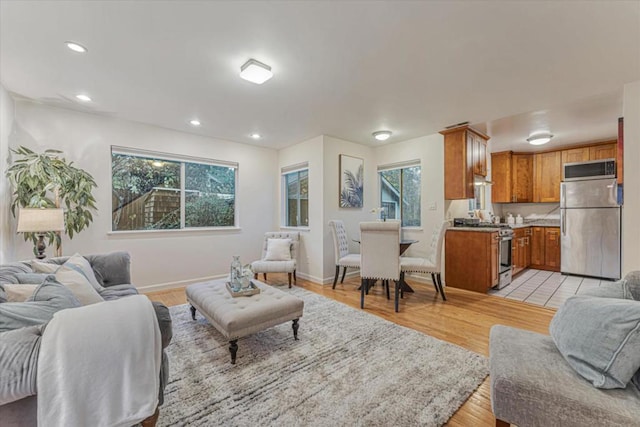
(236, 273)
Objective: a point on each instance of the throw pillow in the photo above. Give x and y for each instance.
(599, 338)
(48, 298)
(278, 250)
(78, 284)
(44, 267)
(81, 265)
(18, 293)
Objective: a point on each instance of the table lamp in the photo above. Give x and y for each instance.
(40, 221)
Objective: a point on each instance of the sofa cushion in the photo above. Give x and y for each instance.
(278, 250)
(8, 272)
(31, 278)
(532, 385)
(18, 293)
(47, 299)
(632, 280)
(599, 338)
(619, 289)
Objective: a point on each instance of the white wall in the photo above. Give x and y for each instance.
(7, 227)
(631, 209)
(430, 151)
(310, 254)
(352, 217)
(159, 258)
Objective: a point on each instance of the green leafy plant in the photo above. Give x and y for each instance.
(47, 180)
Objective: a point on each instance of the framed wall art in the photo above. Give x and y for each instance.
(351, 181)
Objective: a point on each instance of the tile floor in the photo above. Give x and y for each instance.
(546, 288)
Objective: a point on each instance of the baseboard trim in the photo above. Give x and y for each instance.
(177, 284)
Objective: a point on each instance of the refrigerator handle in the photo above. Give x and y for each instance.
(563, 222)
(563, 194)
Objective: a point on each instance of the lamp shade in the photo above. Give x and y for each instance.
(35, 220)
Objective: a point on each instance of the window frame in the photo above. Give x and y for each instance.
(284, 172)
(182, 159)
(401, 166)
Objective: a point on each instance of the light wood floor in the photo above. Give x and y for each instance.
(464, 319)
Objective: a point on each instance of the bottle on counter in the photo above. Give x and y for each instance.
(519, 219)
(510, 219)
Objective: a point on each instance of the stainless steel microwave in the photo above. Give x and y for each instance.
(595, 169)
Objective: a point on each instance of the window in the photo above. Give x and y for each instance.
(296, 197)
(154, 191)
(400, 187)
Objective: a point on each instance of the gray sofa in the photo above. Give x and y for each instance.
(533, 385)
(18, 391)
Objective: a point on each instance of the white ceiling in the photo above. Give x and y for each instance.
(344, 69)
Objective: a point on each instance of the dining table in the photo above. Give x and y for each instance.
(404, 245)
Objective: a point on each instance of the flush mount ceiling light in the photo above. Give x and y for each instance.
(194, 122)
(255, 71)
(83, 98)
(539, 138)
(382, 135)
(76, 47)
(255, 136)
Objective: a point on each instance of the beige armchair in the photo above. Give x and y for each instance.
(341, 250)
(379, 243)
(274, 261)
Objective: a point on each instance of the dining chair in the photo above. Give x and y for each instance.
(341, 250)
(379, 242)
(279, 254)
(431, 265)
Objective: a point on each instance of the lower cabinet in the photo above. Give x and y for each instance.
(471, 259)
(521, 250)
(545, 248)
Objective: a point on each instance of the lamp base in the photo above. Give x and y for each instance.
(40, 247)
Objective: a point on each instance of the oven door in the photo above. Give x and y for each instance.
(505, 253)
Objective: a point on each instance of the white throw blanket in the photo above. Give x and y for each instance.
(99, 365)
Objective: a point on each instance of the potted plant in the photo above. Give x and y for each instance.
(47, 180)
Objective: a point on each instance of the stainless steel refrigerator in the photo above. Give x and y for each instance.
(590, 228)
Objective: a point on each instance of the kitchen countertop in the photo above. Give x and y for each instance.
(541, 223)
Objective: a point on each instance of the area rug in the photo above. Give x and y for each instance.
(349, 368)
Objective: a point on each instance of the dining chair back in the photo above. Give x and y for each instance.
(379, 243)
(343, 258)
(430, 265)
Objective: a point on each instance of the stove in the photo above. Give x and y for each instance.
(503, 229)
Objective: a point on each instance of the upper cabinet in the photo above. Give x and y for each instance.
(547, 174)
(536, 177)
(512, 176)
(604, 151)
(465, 155)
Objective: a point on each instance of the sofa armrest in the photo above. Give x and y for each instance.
(164, 322)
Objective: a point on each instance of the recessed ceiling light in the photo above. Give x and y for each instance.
(157, 163)
(194, 122)
(76, 47)
(256, 136)
(539, 138)
(382, 135)
(83, 98)
(255, 71)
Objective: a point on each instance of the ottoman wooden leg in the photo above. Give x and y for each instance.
(289, 274)
(151, 420)
(193, 312)
(295, 327)
(233, 349)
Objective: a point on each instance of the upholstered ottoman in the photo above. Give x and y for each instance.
(238, 317)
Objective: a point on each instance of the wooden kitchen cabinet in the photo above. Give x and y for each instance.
(471, 259)
(575, 155)
(520, 249)
(545, 248)
(547, 176)
(512, 177)
(552, 248)
(465, 154)
(604, 151)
